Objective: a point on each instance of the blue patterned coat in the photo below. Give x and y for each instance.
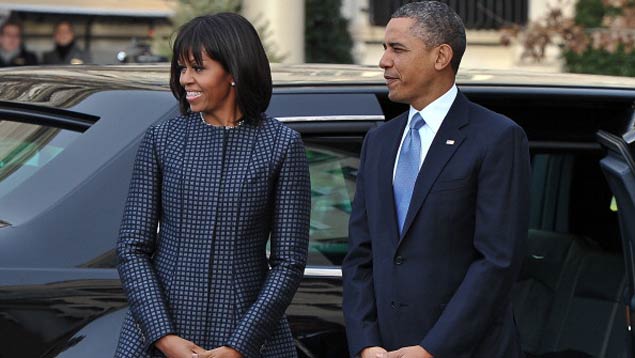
(218, 194)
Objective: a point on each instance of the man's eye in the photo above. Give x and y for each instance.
(180, 68)
(198, 68)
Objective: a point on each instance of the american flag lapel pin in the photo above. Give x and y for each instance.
(449, 142)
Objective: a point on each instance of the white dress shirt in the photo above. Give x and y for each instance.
(433, 114)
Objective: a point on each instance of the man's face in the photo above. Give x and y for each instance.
(10, 38)
(63, 34)
(408, 63)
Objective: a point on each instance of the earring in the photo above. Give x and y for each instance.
(233, 84)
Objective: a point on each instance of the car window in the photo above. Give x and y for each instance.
(25, 148)
(333, 166)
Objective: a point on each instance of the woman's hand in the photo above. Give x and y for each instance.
(174, 346)
(221, 352)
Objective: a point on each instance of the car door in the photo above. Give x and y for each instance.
(619, 168)
(63, 183)
(333, 122)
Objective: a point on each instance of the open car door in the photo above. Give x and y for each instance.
(619, 168)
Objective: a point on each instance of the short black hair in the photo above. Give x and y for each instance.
(232, 41)
(436, 24)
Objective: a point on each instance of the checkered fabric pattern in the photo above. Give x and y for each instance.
(219, 194)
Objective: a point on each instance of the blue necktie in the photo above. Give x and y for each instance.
(407, 169)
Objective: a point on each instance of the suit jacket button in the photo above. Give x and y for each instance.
(399, 260)
(393, 304)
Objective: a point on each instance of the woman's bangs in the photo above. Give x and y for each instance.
(190, 39)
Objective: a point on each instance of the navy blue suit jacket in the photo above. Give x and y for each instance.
(445, 282)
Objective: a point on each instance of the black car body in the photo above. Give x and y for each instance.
(69, 135)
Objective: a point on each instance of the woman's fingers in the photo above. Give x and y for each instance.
(198, 352)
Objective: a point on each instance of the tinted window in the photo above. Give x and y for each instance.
(25, 148)
(333, 165)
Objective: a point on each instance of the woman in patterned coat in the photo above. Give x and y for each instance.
(221, 179)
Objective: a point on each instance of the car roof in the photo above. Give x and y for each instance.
(64, 87)
(311, 74)
(156, 76)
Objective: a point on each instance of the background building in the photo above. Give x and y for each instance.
(367, 20)
(483, 19)
(106, 27)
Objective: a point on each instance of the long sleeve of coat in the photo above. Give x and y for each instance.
(360, 310)
(289, 243)
(136, 245)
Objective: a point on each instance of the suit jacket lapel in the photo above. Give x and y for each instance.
(385, 170)
(438, 155)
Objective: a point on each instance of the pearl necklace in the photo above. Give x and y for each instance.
(240, 123)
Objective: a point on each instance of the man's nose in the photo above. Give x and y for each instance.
(385, 61)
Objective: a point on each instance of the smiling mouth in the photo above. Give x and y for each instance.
(192, 94)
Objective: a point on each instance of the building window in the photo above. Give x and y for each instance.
(477, 15)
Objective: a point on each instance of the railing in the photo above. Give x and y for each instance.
(476, 14)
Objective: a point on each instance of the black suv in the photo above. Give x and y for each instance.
(68, 138)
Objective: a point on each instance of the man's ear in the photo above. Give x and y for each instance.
(444, 57)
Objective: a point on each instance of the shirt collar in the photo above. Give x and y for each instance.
(435, 112)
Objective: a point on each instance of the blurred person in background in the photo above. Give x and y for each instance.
(12, 51)
(66, 51)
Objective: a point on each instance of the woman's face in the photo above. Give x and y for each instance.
(208, 87)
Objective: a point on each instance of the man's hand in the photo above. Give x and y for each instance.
(221, 352)
(373, 352)
(409, 352)
(174, 346)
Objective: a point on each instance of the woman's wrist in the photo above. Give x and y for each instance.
(163, 342)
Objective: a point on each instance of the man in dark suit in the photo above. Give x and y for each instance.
(440, 215)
